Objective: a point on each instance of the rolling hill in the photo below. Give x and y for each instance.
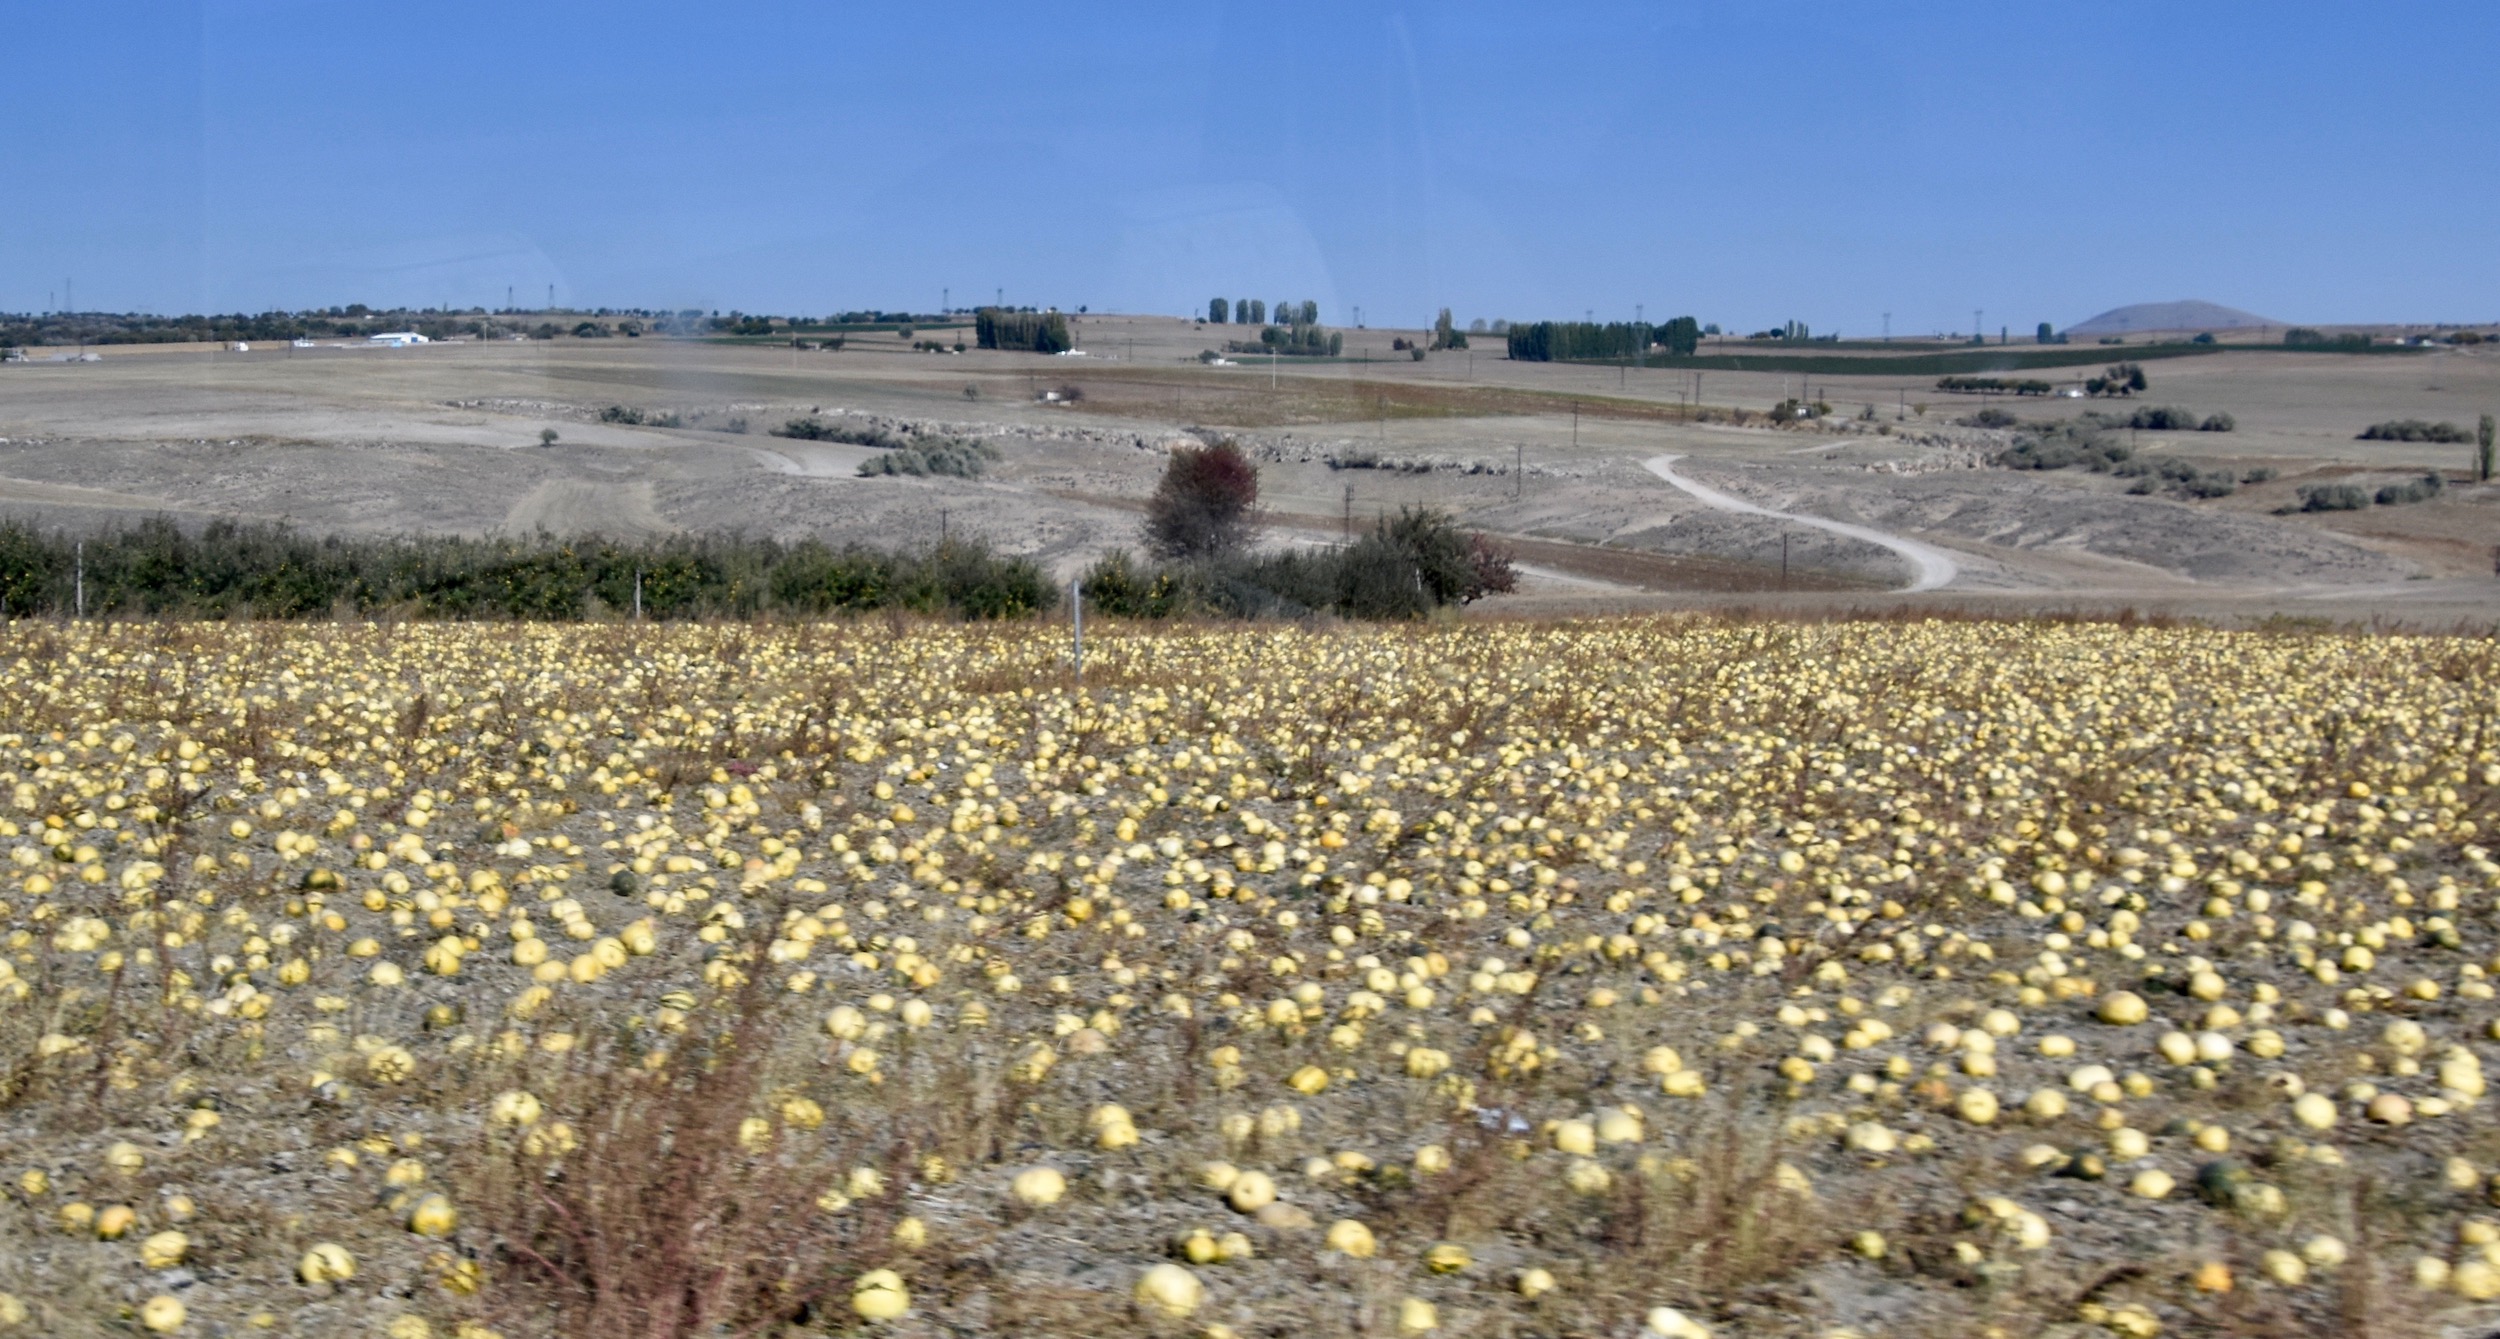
(2188, 315)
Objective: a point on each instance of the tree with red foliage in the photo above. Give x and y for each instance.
(1204, 507)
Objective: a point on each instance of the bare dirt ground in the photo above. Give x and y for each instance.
(445, 439)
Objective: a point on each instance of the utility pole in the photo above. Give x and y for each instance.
(1976, 337)
(1349, 513)
(1783, 561)
(1887, 327)
(1518, 470)
(946, 301)
(551, 297)
(941, 527)
(1575, 424)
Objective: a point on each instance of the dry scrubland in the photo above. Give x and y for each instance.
(1876, 978)
(1548, 456)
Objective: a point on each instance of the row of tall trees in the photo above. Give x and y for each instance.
(1567, 341)
(1031, 332)
(1254, 311)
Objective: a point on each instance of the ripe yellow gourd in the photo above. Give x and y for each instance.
(433, 1216)
(880, 1295)
(326, 1262)
(1169, 1290)
(1039, 1187)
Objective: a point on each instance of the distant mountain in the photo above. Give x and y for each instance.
(2187, 315)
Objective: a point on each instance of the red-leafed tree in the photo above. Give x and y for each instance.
(1205, 505)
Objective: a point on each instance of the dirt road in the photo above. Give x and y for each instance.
(1931, 568)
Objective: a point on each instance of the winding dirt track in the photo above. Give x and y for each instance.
(1930, 567)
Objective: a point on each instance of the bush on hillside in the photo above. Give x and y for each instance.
(2332, 497)
(2414, 430)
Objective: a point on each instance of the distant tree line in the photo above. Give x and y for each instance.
(1031, 332)
(1584, 341)
(234, 570)
(1292, 341)
(1994, 385)
(1255, 311)
(353, 321)
(2302, 337)
(1793, 332)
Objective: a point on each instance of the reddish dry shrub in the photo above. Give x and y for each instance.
(663, 1224)
(1203, 505)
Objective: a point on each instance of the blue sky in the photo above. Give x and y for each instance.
(1744, 162)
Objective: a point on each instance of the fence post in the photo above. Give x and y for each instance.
(1076, 615)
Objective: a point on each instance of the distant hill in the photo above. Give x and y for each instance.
(2186, 315)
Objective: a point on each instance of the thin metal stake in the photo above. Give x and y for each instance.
(81, 586)
(1076, 614)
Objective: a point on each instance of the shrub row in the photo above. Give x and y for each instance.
(2414, 430)
(2353, 497)
(2170, 418)
(962, 457)
(232, 570)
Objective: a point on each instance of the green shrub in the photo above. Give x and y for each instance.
(2414, 430)
(813, 429)
(2065, 445)
(2332, 497)
(2412, 490)
(959, 457)
(1407, 566)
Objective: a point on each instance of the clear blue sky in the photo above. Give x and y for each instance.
(1744, 162)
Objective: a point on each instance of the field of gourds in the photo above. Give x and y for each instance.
(1669, 977)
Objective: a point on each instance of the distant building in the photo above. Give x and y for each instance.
(397, 339)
